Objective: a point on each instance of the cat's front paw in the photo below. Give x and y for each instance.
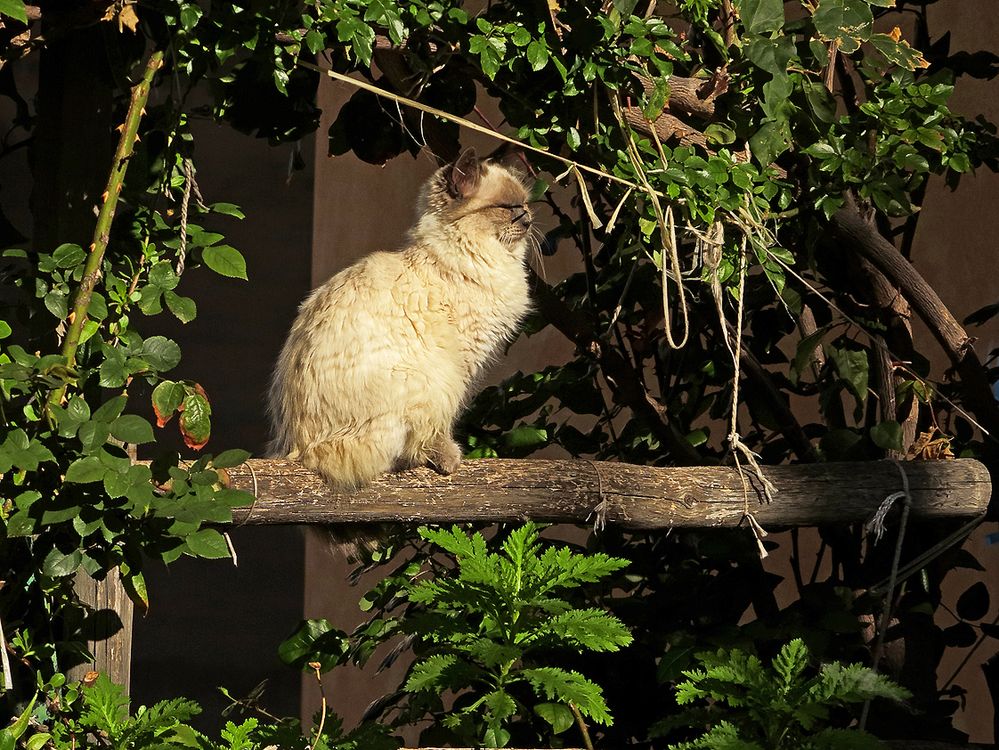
(446, 458)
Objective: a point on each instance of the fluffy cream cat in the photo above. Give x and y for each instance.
(381, 357)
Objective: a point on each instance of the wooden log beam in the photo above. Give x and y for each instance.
(638, 497)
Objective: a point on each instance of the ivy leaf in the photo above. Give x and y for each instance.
(195, 421)
(226, 261)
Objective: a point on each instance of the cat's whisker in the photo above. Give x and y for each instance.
(535, 237)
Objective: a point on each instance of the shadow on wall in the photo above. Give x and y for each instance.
(211, 623)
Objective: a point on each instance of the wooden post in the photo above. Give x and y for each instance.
(109, 635)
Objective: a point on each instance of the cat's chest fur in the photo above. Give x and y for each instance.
(481, 302)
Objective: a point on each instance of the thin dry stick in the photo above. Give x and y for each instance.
(316, 667)
(364, 85)
(877, 524)
(102, 231)
(8, 675)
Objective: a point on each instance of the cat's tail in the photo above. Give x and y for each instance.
(348, 464)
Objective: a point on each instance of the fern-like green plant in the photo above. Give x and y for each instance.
(484, 625)
(785, 706)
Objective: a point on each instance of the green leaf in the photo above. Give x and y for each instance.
(195, 421)
(428, 673)
(85, 470)
(57, 304)
(189, 16)
(131, 428)
(68, 255)
(820, 101)
(229, 458)
(570, 687)
(556, 714)
(57, 564)
(161, 353)
(167, 398)
(163, 276)
(14, 9)
(226, 261)
(537, 54)
(848, 22)
(5, 329)
(853, 368)
(315, 641)
(899, 52)
(525, 437)
(761, 16)
(228, 209)
(184, 308)
(93, 435)
(207, 543)
(887, 435)
(110, 409)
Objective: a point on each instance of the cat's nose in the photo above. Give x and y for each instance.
(525, 219)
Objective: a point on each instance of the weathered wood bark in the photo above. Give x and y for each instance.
(639, 497)
(109, 631)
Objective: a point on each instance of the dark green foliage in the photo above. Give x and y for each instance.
(95, 714)
(489, 625)
(786, 705)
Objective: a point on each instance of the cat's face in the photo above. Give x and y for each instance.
(481, 199)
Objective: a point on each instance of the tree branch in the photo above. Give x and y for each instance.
(637, 497)
(863, 238)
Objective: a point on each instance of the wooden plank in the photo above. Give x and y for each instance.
(640, 497)
(109, 629)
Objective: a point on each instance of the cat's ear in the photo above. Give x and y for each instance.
(463, 176)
